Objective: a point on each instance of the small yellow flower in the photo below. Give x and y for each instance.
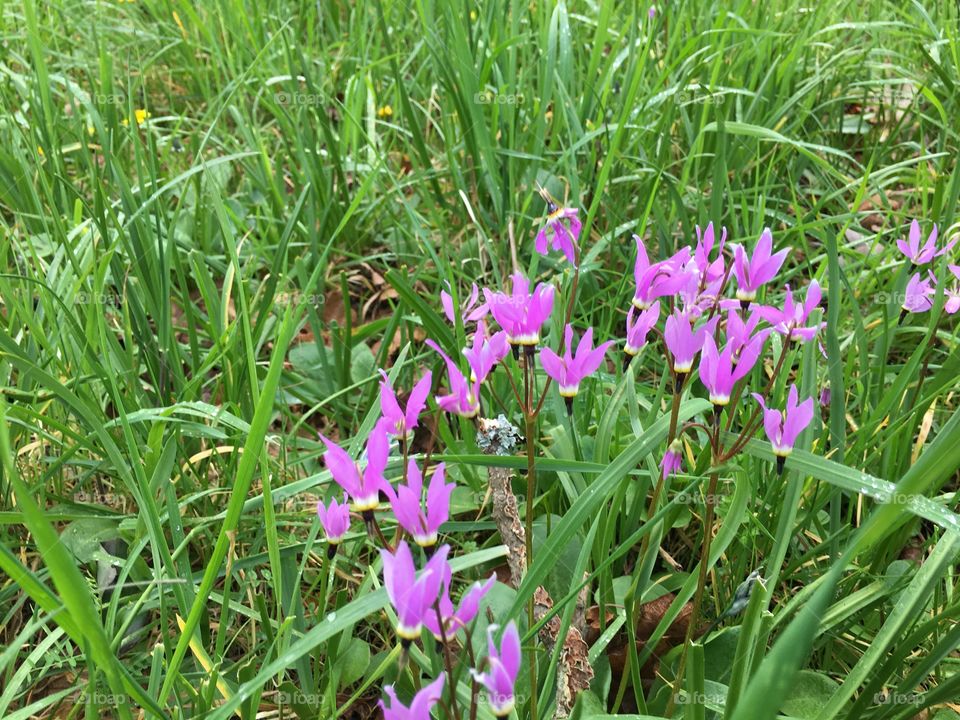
(40, 151)
(141, 115)
(385, 111)
(90, 130)
(473, 15)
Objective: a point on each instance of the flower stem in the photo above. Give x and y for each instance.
(701, 584)
(325, 580)
(447, 661)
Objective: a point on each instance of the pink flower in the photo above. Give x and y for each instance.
(638, 327)
(672, 459)
(469, 311)
(464, 396)
(363, 489)
(754, 272)
(718, 370)
(683, 341)
(791, 321)
(421, 706)
(485, 354)
(918, 298)
(564, 238)
(783, 429)
(503, 665)
(456, 618)
(521, 313)
(710, 271)
(421, 523)
(825, 397)
(953, 294)
(660, 279)
(411, 594)
(740, 333)
(335, 521)
(922, 255)
(399, 422)
(569, 370)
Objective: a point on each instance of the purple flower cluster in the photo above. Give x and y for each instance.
(918, 297)
(714, 307)
(420, 593)
(720, 338)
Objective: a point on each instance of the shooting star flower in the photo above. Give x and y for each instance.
(755, 271)
(782, 429)
(571, 369)
(922, 254)
(363, 488)
(421, 705)
(421, 522)
(503, 667)
(565, 226)
(412, 594)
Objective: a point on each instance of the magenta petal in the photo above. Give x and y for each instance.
(553, 365)
(739, 267)
(342, 467)
(914, 243)
(418, 400)
(510, 650)
(470, 604)
(797, 421)
(541, 242)
(438, 498)
(424, 700)
(446, 301)
(904, 248)
(388, 401)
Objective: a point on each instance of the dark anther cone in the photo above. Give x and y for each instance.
(678, 384)
(515, 349)
(744, 305)
(370, 521)
(429, 550)
(780, 463)
(903, 316)
(717, 409)
(568, 401)
(332, 551)
(626, 361)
